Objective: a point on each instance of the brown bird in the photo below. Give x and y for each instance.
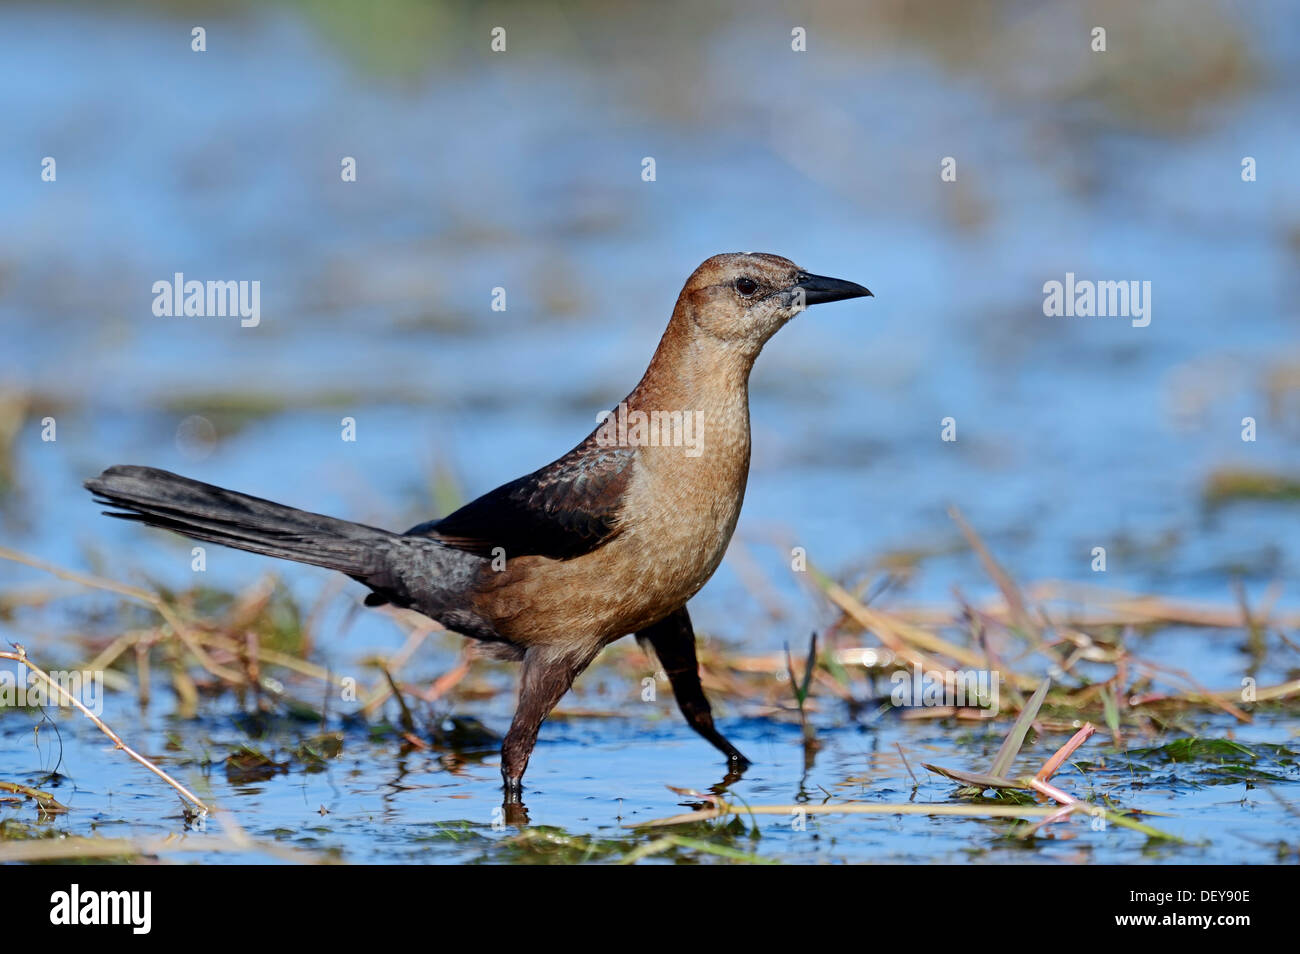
(611, 539)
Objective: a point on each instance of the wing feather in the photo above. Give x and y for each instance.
(564, 510)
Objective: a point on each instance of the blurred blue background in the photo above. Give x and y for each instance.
(522, 170)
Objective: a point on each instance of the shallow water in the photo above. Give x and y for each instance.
(594, 778)
(523, 171)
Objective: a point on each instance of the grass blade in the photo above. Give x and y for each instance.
(1016, 737)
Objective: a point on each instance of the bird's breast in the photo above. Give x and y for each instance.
(674, 525)
(683, 507)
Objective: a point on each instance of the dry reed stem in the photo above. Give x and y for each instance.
(132, 592)
(21, 657)
(854, 808)
(76, 847)
(1064, 752)
(1010, 592)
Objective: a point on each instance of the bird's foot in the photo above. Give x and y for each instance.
(513, 809)
(736, 766)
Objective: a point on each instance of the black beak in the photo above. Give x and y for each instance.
(818, 289)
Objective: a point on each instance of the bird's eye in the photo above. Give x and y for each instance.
(746, 286)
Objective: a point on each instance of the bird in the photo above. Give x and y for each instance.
(612, 539)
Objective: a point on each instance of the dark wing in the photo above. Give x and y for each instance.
(566, 509)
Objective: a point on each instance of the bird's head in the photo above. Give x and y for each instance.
(744, 298)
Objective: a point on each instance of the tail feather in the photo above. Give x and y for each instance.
(202, 511)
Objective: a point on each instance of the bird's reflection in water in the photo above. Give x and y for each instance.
(735, 771)
(515, 812)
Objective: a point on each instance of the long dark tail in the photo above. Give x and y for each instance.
(162, 499)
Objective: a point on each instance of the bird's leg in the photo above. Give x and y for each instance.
(673, 640)
(545, 679)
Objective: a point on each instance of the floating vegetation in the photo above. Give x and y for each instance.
(1229, 485)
